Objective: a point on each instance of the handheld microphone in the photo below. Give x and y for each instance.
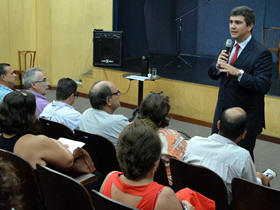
(229, 44)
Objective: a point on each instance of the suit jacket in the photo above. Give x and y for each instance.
(256, 62)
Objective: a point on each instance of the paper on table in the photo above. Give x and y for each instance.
(135, 77)
(72, 145)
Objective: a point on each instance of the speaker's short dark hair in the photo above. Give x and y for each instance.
(2, 68)
(65, 87)
(98, 98)
(246, 12)
(232, 127)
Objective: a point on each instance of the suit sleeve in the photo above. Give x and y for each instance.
(213, 72)
(260, 80)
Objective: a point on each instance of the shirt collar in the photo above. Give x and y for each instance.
(244, 43)
(38, 94)
(5, 87)
(222, 139)
(61, 104)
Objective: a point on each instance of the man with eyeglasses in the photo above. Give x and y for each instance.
(100, 120)
(61, 110)
(35, 81)
(7, 80)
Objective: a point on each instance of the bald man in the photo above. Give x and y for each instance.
(220, 152)
(104, 98)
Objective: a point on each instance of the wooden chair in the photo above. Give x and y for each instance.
(271, 39)
(101, 150)
(55, 130)
(26, 59)
(101, 202)
(200, 179)
(61, 191)
(29, 189)
(248, 195)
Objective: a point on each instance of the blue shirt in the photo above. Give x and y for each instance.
(62, 113)
(4, 91)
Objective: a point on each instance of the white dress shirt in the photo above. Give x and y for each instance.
(222, 156)
(62, 113)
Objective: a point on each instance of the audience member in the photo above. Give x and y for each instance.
(100, 120)
(10, 186)
(220, 152)
(17, 125)
(155, 109)
(61, 110)
(35, 81)
(7, 80)
(138, 153)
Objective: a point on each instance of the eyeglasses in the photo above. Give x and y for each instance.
(117, 93)
(160, 92)
(43, 80)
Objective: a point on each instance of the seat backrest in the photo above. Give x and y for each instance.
(29, 189)
(101, 150)
(26, 59)
(55, 130)
(160, 174)
(200, 179)
(61, 191)
(271, 38)
(248, 195)
(101, 202)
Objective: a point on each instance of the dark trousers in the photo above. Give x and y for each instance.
(249, 143)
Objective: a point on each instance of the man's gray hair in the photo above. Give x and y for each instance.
(30, 76)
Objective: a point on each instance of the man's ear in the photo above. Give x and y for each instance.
(32, 85)
(219, 124)
(243, 135)
(3, 77)
(108, 101)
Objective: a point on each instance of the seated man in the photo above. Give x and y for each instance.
(100, 120)
(7, 80)
(220, 152)
(61, 110)
(35, 81)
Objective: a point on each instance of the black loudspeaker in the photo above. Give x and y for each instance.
(107, 48)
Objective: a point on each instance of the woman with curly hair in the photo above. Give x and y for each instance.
(10, 197)
(154, 109)
(18, 123)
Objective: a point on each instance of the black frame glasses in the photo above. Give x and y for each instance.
(43, 80)
(117, 93)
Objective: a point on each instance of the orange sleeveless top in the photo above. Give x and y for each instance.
(149, 192)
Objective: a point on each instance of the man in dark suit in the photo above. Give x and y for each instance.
(245, 75)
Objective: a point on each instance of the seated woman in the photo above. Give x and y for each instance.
(10, 187)
(18, 124)
(138, 153)
(155, 109)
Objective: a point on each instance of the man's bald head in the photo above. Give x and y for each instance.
(102, 93)
(233, 123)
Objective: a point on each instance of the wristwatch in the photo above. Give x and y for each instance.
(240, 72)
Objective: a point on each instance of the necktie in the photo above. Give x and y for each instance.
(234, 57)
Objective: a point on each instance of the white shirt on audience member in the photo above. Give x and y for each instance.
(62, 113)
(103, 124)
(222, 156)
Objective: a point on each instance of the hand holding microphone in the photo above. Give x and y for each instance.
(224, 55)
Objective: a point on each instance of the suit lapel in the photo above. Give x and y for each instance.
(245, 53)
(242, 57)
